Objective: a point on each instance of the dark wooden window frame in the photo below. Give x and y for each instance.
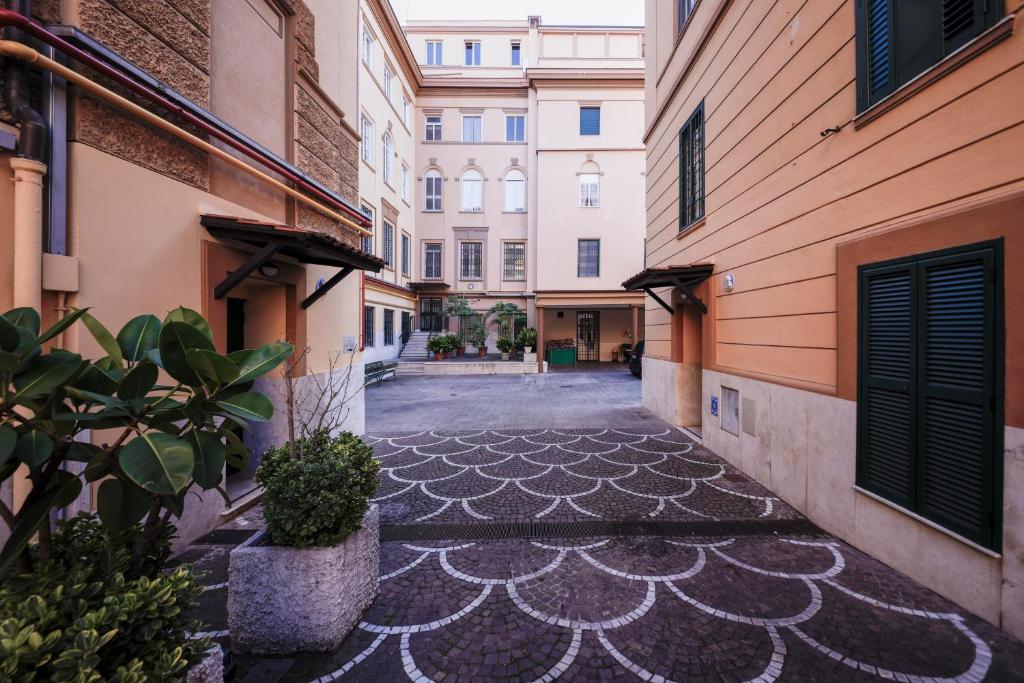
(691, 165)
(995, 501)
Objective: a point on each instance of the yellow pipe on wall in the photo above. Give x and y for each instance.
(23, 52)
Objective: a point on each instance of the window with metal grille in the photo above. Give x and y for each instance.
(367, 242)
(683, 12)
(515, 191)
(434, 53)
(590, 190)
(517, 53)
(389, 245)
(472, 53)
(896, 41)
(432, 261)
(588, 259)
(433, 128)
(590, 120)
(691, 169)
(472, 191)
(472, 128)
(368, 326)
(929, 404)
(515, 261)
(471, 260)
(515, 128)
(405, 254)
(389, 327)
(432, 188)
(367, 142)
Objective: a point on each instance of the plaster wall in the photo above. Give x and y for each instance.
(495, 48)
(803, 447)
(381, 301)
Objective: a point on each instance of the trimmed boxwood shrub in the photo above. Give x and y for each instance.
(93, 612)
(317, 493)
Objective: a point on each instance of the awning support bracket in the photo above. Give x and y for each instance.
(325, 287)
(657, 298)
(246, 269)
(691, 297)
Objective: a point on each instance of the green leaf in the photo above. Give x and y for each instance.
(8, 440)
(252, 406)
(121, 504)
(47, 373)
(213, 366)
(103, 337)
(9, 337)
(33, 448)
(83, 452)
(262, 360)
(190, 317)
(24, 317)
(210, 454)
(139, 336)
(29, 520)
(69, 488)
(7, 359)
(159, 463)
(61, 325)
(139, 381)
(85, 396)
(100, 466)
(176, 339)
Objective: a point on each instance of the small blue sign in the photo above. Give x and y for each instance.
(714, 405)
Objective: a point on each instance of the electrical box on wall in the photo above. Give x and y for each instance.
(731, 410)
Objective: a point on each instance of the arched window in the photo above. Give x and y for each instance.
(590, 186)
(433, 191)
(472, 191)
(389, 158)
(515, 191)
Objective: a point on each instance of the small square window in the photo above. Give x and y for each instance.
(472, 128)
(433, 128)
(434, 53)
(590, 120)
(515, 128)
(472, 53)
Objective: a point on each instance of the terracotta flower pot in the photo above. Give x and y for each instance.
(482, 353)
(437, 355)
(462, 349)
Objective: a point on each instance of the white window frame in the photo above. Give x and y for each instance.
(477, 52)
(405, 253)
(389, 158)
(366, 145)
(405, 181)
(590, 190)
(430, 126)
(389, 81)
(440, 260)
(515, 191)
(433, 174)
(478, 117)
(512, 51)
(515, 116)
(368, 42)
(406, 109)
(468, 204)
(438, 52)
(367, 240)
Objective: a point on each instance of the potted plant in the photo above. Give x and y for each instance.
(302, 583)
(436, 345)
(528, 339)
(164, 442)
(453, 345)
(478, 337)
(458, 306)
(505, 345)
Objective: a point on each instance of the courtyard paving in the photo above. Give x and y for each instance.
(607, 547)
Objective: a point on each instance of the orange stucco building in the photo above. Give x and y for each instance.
(835, 225)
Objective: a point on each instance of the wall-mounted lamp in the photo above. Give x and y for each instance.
(269, 269)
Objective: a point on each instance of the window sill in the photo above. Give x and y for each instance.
(367, 164)
(521, 212)
(929, 523)
(1002, 30)
(432, 211)
(475, 211)
(590, 207)
(690, 227)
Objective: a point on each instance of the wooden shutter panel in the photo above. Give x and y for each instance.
(887, 384)
(957, 395)
(879, 49)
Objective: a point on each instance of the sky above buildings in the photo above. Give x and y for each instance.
(616, 12)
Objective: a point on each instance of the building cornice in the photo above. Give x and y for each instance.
(395, 36)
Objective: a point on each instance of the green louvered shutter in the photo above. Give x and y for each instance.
(957, 393)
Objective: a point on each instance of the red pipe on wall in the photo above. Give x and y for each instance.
(12, 18)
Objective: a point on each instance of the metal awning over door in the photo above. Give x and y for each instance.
(682, 278)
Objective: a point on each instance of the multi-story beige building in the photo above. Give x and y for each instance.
(835, 206)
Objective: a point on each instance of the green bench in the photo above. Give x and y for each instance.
(377, 372)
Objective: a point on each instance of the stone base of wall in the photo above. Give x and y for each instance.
(666, 386)
(802, 446)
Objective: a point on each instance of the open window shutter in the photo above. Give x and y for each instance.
(957, 393)
(875, 38)
(961, 21)
(886, 384)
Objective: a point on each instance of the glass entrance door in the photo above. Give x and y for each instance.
(588, 338)
(431, 317)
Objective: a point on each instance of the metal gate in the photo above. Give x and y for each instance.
(431, 315)
(588, 337)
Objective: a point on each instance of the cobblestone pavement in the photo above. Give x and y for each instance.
(746, 603)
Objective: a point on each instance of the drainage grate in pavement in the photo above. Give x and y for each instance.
(225, 537)
(463, 532)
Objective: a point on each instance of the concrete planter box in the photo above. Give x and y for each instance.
(210, 670)
(284, 600)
